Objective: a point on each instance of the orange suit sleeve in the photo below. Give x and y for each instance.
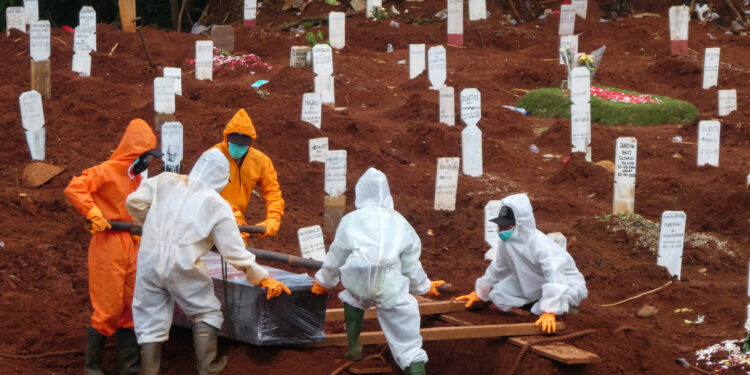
(80, 188)
(271, 192)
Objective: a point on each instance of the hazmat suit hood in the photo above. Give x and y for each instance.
(240, 123)
(525, 223)
(138, 138)
(211, 169)
(372, 190)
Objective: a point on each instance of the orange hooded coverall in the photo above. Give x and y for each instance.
(112, 254)
(256, 167)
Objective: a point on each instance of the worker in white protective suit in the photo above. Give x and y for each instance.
(529, 268)
(182, 218)
(375, 254)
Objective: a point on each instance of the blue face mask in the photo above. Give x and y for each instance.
(237, 151)
(504, 235)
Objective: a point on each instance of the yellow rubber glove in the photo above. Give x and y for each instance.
(318, 289)
(547, 321)
(240, 219)
(98, 222)
(136, 238)
(272, 226)
(275, 287)
(470, 298)
(433, 288)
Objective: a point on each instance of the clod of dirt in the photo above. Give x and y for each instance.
(647, 311)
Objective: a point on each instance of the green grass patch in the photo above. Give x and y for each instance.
(553, 102)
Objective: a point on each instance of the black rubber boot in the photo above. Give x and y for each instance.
(353, 317)
(205, 342)
(416, 368)
(94, 352)
(151, 358)
(128, 352)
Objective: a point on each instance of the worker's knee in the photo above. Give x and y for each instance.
(213, 318)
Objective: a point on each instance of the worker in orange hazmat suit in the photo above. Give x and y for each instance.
(99, 194)
(248, 167)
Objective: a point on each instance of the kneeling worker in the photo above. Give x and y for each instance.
(375, 254)
(529, 268)
(183, 217)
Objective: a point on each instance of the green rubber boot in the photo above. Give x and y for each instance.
(416, 368)
(353, 318)
(94, 352)
(128, 352)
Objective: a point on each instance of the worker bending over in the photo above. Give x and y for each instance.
(183, 217)
(99, 194)
(247, 167)
(529, 268)
(375, 254)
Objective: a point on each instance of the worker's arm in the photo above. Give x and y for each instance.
(555, 282)
(497, 270)
(80, 188)
(228, 241)
(329, 275)
(272, 195)
(411, 267)
(139, 201)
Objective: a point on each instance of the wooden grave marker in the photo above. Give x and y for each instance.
(626, 151)
(447, 106)
(455, 24)
(32, 118)
(567, 20)
(580, 111)
(172, 146)
(727, 102)
(679, 22)
(711, 67)
(15, 18)
(39, 50)
(127, 14)
(416, 60)
(471, 136)
(223, 37)
(671, 241)
(335, 186)
(249, 14)
(317, 149)
(446, 184)
(337, 29)
(709, 140)
(436, 67)
(311, 109)
(311, 244)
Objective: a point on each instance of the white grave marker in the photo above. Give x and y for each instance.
(335, 173)
(87, 23)
(671, 240)
(491, 210)
(311, 109)
(580, 111)
(204, 60)
(477, 10)
(82, 41)
(447, 106)
(300, 56)
(175, 74)
(455, 22)
(416, 60)
(580, 7)
(711, 67)
(471, 106)
(436, 66)
(567, 20)
(318, 149)
(626, 152)
(337, 29)
(32, 118)
(82, 64)
(39, 44)
(471, 136)
(446, 183)
(324, 86)
(15, 18)
(559, 239)
(570, 41)
(249, 12)
(709, 133)
(322, 59)
(164, 95)
(311, 243)
(31, 9)
(679, 21)
(171, 146)
(727, 102)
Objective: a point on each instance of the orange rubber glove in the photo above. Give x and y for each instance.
(136, 238)
(433, 288)
(318, 289)
(275, 287)
(98, 222)
(547, 321)
(272, 226)
(470, 298)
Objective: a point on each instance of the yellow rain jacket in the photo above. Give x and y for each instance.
(254, 168)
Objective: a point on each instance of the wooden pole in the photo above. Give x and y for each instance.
(127, 13)
(160, 119)
(41, 78)
(426, 308)
(334, 208)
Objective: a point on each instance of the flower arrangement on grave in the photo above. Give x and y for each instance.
(735, 358)
(225, 62)
(587, 61)
(380, 13)
(313, 38)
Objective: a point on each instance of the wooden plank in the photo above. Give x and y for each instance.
(426, 308)
(334, 208)
(127, 13)
(41, 79)
(559, 351)
(442, 333)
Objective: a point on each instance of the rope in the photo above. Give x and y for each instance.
(346, 364)
(544, 340)
(48, 354)
(227, 302)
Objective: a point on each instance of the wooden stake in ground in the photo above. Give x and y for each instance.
(164, 103)
(223, 37)
(679, 21)
(127, 13)
(626, 150)
(335, 186)
(39, 50)
(249, 13)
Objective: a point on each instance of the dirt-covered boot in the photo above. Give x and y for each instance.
(150, 358)
(94, 352)
(353, 318)
(416, 368)
(128, 352)
(205, 342)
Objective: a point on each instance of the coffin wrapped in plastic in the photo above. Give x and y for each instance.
(250, 317)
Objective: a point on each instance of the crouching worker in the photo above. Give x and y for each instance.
(375, 254)
(183, 217)
(530, 268)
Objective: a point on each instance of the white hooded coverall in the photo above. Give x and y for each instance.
(182, 219)
(531, 268)
(375, 254)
